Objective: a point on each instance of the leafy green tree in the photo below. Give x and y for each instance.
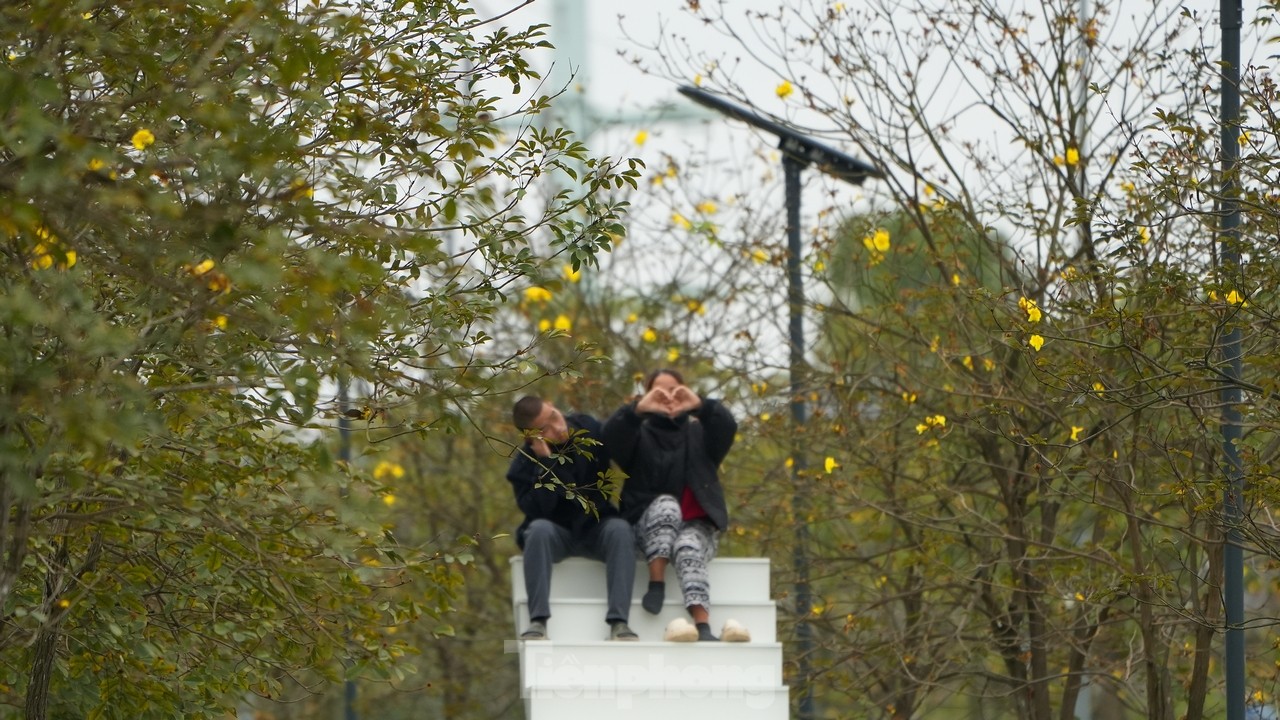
(213, 215)
(1014, 463)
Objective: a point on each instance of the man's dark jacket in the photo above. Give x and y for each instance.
(539, 496)
(661, 455)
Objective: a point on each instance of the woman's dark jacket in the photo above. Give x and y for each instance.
(539, 496)
(662, 455)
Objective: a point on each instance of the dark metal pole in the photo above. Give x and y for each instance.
(1231, 18)
(344, 454)
(799, 504)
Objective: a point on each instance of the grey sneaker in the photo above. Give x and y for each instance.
(619, 630)
(537, 630)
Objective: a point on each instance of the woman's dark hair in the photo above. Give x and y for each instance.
(648, 379)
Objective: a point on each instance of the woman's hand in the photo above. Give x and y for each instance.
(657, 401)
(684, 400)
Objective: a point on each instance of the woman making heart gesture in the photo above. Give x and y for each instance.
(670, 442)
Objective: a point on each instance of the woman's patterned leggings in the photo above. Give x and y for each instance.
(662, 533)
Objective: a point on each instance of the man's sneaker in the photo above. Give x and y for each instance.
(537, 631)
(680, 630)
(734, 632)
(619, 630)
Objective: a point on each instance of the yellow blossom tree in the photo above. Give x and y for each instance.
(213, 218)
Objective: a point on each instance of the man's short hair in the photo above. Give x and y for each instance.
(526, 412)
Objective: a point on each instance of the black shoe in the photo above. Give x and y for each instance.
(652, 600)
(619, 630)
(537, 631)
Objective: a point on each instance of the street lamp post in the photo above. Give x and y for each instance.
(1231, 18)
(798, 152)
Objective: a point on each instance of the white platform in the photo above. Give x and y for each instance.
(578, 675)
(730, 579)
(581, 620)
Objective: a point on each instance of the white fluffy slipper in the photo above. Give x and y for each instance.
(680, 630)
(734, 632)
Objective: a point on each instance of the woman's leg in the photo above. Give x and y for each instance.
(656, 536)
(696, 545)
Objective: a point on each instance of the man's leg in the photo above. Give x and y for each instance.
(545, 544)
(616, 547)
(613, 543)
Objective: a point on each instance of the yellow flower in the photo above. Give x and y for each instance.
(544, 325)
(681, 221)
(1244, 138)
(1127, 187)
(1144, 234)
(955, 279)
(790, 463)
(220, 322)
(759, 256)
(1235, 298)
(697, 80)
(784, 89)
(1079, 597)
(218, 282)
(988, 364)
(932, 421)
(563, 323)
(1033, 312)
(537, 294)
(908, 397)
(95, 164)
(632, 318)
(879, 241)
(649, 335)
(388, 499)
(387, 469)
(1073, 156)
(570, 274)
(1059, 160)
(641, 137)
(819, 266)
(143, 139)
(199, 268)
(830, 465)
(967, 362)
(935, 344)
(1075, 432)
(707, 207)
(1036, 342)
(764, 416)
(672, 355)
(64, 603)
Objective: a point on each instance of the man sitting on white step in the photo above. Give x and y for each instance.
(556, 477)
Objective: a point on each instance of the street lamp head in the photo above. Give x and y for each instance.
(795, 146)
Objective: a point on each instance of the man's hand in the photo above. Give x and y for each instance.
(657, 402)
(540, 447)
(684, 400)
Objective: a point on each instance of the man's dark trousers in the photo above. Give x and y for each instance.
(546, 543)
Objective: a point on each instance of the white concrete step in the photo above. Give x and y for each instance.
(582, 620)
(673, 702)
(602, 666)
(731, 579)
